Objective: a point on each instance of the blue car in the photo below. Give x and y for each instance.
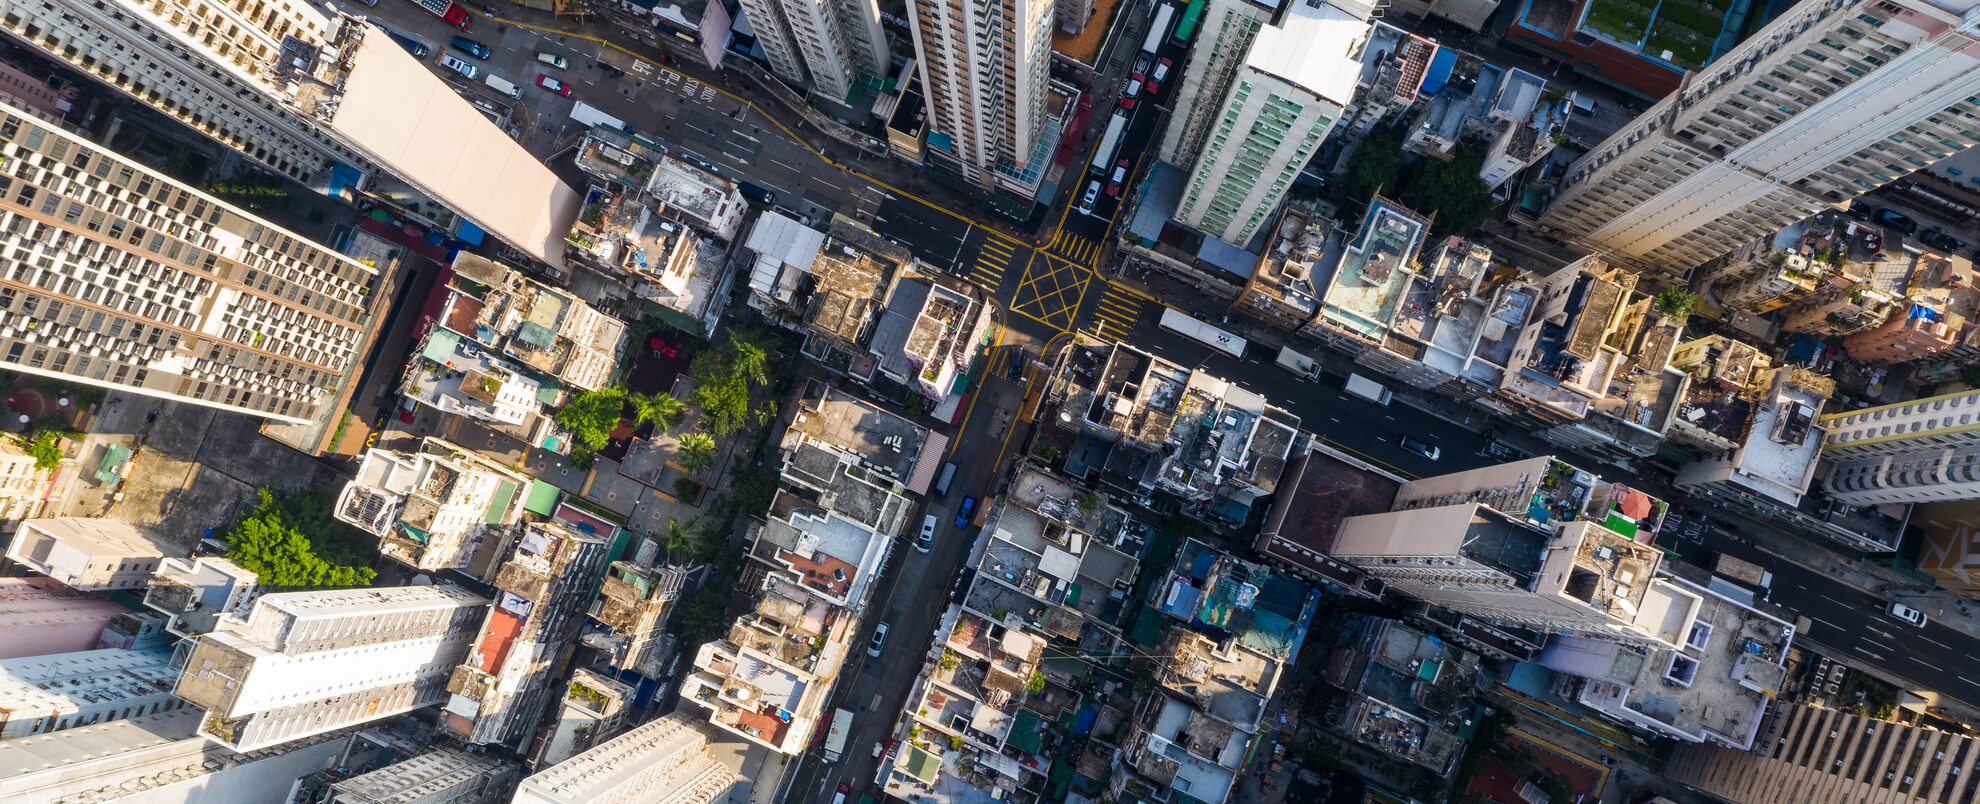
(967, 512)
(413, 46)
(471, 47)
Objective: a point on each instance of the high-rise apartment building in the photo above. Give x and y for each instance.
(1918, 451)
(985, 64)
(443, 775)
(40, 616)
(1829, 101)
(665, 761)
(1222, 44)
(305, 663)
(1294, 81)
(320, 96)
(1808, 753)
(42, 694)
(89, 554)
(832, 41)
(119, 276)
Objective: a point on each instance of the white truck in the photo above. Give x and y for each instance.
(503, 85)
(835, 735)
(1740, 569)
(1368, 389)
(1298, 363)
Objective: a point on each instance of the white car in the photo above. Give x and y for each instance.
(927, 537)
(879, 641)
(553, 60)
(1908, 614)
(448, 61)
(1092, 194)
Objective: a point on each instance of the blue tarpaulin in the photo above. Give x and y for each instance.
(1440, 71)
(470, 233)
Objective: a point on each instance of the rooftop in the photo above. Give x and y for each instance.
(854, 273)
(1285, 270)
(1716, 682)
(878, 438)
(1322, 491)
(697, 197)
(1311, 48)
(1379, 262)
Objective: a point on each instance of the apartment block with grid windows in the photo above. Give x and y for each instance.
(1295, 81)
(317, 95)
(1918, 451)
(120, 277)
(829, 40)
(1829, 101)
(986, 66)
(301, 664)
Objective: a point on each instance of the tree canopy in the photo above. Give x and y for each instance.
(591, 418)
(293, 541)
(1676, 301)
(1376, 164)
(43, 444)
(697, 453)
(1446, 190)
(724, 376)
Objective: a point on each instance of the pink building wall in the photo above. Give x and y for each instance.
(39, 616)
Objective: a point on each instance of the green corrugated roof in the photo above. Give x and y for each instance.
(923, 765)
(440, 345)
(1024, 732)
(505, 492)
(542, 499)
(113, 459)
(547, 391)
(536, 335)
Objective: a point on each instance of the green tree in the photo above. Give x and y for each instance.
(682, 538)
(1088, 502)
(294, 542)
(1449, 191)
(43, 444)
(591, 418)
(1969, 374)
(1035, 684)
(1376, 164)
(661, 408)
(724, 402)
(755, 488)
(1676, 302)
(697, 453)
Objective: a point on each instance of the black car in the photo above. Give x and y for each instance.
(1940, 240)
(1898, 221)
(967, 512)
(1863, 211)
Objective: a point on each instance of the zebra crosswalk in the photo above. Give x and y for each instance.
(1116, 312)
(991, 262)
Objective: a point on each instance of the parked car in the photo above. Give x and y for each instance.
(1092, 195)
(1908, 614)
(1941, 240)
(879, 641)
(553, 60)
(966, 512)
(1897, 220)
(1120, 178)
(1422, 448)
(553, 85)
(927, 537)
(1162, 71)
(1863, 210)
(471, 47)
(451, 62)
(413, 46)
(1128, 104)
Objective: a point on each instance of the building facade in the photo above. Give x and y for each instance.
(832, 41)
(1829, 101)
(305, 663)
(42, 694)
(124, 278)
(41, 616)
(442, 776)
(1222, 44)
(664, 761)
(300, 91)
(985, 64)
(1292, 86)
(1805, 753)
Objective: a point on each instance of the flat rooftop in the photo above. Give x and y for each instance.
(1310, 48)
(1379, 261)
(406, 117)
(1320, 492)
(879, 438)
(1783, 444)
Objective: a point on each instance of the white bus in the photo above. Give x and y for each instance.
(1103, 156)
(1181, 324)
(1160, 30)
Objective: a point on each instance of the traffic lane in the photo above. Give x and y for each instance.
(926, 232)
(1856, 623)
(1372, 431)
(917, 589)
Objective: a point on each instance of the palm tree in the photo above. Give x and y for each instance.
(696, 454)
(751, 362)
(682, 538)
(662, 408)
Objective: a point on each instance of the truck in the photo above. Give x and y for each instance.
(1159, 29)
(1177, 322)
(447, 10)
(1298, 364)
(503, 85)
(835, 736)
(1368, 389)
(1744, 571)
(1103, 154)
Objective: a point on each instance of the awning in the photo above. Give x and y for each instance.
(542, 499)
(932, 451)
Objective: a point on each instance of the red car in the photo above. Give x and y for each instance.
(553, 85)
(1127, 103)
(458, 17)
(1119, 178)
